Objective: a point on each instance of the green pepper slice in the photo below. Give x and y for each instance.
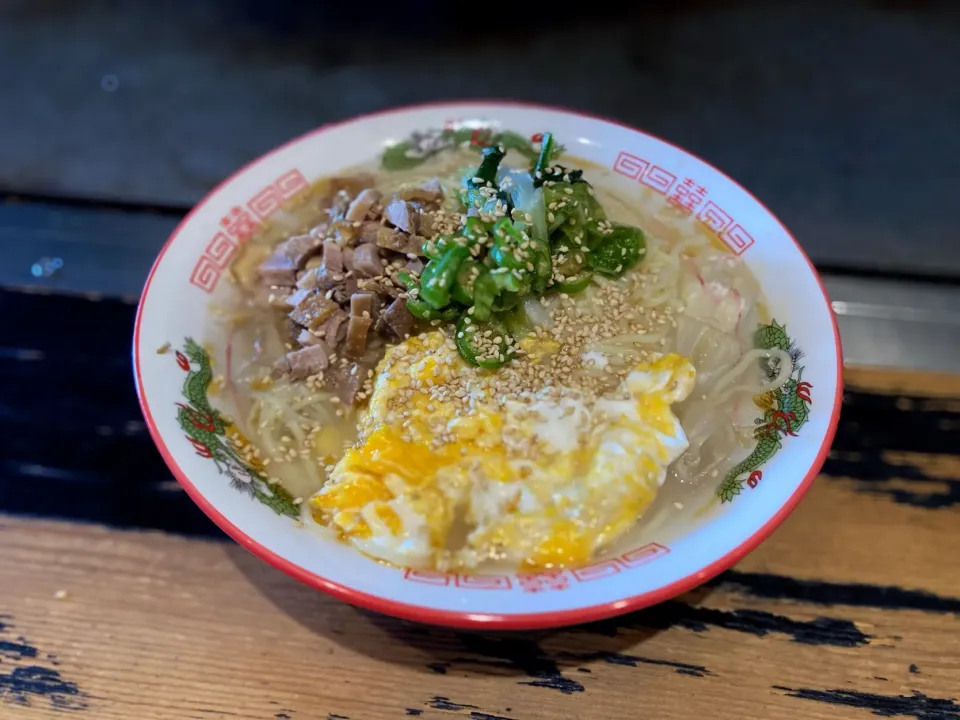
(475, 231)
(406, 279)
(467, 275)
(439, 275)
(422, 311)
(619, 251)
(434, 249)
(483, 344)
(573, 284)
(543, 160)
(485, 293)
(506, 301)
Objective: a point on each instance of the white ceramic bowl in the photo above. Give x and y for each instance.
(665, 559)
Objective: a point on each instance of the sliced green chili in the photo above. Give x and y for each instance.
(572, 284)
(618, 251)
(405, 278)
(467, 275)
(483, 344)
(506, 301)
(439, 275)
(476, 232)
(482, 274)
(434, 249)
(485, 293)
(507, 240)
(421, 310)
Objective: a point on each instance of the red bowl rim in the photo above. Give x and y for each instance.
(450, 618)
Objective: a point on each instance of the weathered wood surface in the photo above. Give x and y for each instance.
(841, 116)
(119, 600)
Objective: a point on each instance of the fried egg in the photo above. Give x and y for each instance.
(446, 476)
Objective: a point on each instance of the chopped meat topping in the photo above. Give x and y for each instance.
(366, 260)
(329, 274)
(294, 298)
(340, 281)
(363, 304)
(381, 286)
(399, 241)
(344, 290)
(362, 204)
(303, 363)
(415, 265)
(313, 310)
(428, 192)
(333, 329)
(289, 257)
(362, 309)
(307, 338)
(396, 319)
(289, 333)
(349, 379)
(369, 231)
(402, 215)
(356, 342)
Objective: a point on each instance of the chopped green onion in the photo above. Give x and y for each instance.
(543, 161)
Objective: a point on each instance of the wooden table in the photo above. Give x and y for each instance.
(119, 601)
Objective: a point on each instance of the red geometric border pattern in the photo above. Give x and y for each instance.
(552, 580)
(659, 179)
(222, 249)
(630, 165)
(241, 224)
(689, 196)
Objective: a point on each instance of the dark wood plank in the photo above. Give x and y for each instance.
(839, 118)
(103, 250)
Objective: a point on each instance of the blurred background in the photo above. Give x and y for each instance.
(116, 117)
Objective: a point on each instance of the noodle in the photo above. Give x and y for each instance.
(702, 303)
(785, 368)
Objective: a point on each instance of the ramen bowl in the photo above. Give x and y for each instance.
(690, 534)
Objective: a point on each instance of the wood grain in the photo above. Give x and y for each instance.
(850, 608)
(147, 613)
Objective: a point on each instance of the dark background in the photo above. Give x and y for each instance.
(842, 117)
